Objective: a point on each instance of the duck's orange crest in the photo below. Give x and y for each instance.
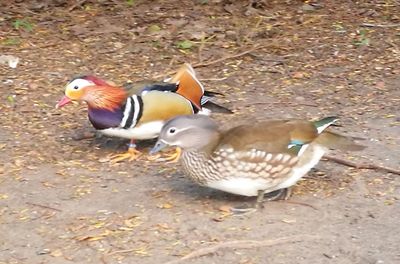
(105, 97)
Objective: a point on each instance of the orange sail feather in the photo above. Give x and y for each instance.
(188, 85)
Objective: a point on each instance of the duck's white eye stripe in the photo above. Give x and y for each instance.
(79, 83)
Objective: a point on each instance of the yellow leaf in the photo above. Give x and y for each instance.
(167, 206)
(56, 253)
(94, 238)
(132, 222)
(225, 208)
(289, 221)
(389, 202)
(163, 226)
(99, 224)
(141, 251)
(122, 228)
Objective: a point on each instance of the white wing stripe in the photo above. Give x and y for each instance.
(127, 110)
(136, 108)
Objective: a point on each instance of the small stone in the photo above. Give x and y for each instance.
(44, 251)
(307, 7)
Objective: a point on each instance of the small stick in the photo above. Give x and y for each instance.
(121, 251)
(254, 29)
(77, 4)
(299, 203)
(283, 103)
(379, 25)
(205, 64)
(214, 79)
(44, 206)
(234, 56)
(103, 260)
(239, 244)
(201, 47)
(362, 165)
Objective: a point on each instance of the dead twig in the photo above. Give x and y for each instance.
(103, 260)
(234, 56)
(214, 79)
(240, 244)
(299, 203)
(77, 4)
(201, 47)
(362, 165)
(379, 25)
(121, 251)
(205, 64)
(44, 206)
(254, 29)
(283, 103)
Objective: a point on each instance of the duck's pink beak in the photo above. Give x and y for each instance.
(65, 100)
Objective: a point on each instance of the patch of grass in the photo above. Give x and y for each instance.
(154, 28)
(130, 2)
(362, 39)
(23, 24)
(339, 28)
(156, 44)
(184, 44)
(11, 99)
(11, 42)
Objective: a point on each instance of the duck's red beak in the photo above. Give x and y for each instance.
(65, 100)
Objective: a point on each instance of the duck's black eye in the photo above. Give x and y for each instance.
(172, 130)
(76, 87)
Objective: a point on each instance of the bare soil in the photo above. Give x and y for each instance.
(61, 201)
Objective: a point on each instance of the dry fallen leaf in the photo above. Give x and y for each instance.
(225, 208)
(165, 206)
(132, 222)
(289, 221)
(56, 253)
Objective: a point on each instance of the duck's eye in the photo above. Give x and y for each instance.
(76, 87)
(172, 130)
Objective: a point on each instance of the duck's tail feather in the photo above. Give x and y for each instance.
(334, 140)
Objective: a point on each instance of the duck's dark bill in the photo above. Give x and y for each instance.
(157, 147)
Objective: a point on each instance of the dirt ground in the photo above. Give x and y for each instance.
(62, 201)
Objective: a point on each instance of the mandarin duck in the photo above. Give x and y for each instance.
(250, 160)
(138, 111)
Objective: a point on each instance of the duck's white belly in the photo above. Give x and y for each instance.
(314, 153)
(145, 131)
(240, 186)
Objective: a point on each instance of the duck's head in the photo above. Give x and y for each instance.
(95, 91)
(190, 132)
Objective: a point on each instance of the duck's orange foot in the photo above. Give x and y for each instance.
(169, 158)
(131, 154)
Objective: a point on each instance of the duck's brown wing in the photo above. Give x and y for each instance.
(273, 136)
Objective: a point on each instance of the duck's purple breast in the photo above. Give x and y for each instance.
(102, 119)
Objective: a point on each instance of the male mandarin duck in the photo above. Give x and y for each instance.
(138, 112)
(250, 160)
